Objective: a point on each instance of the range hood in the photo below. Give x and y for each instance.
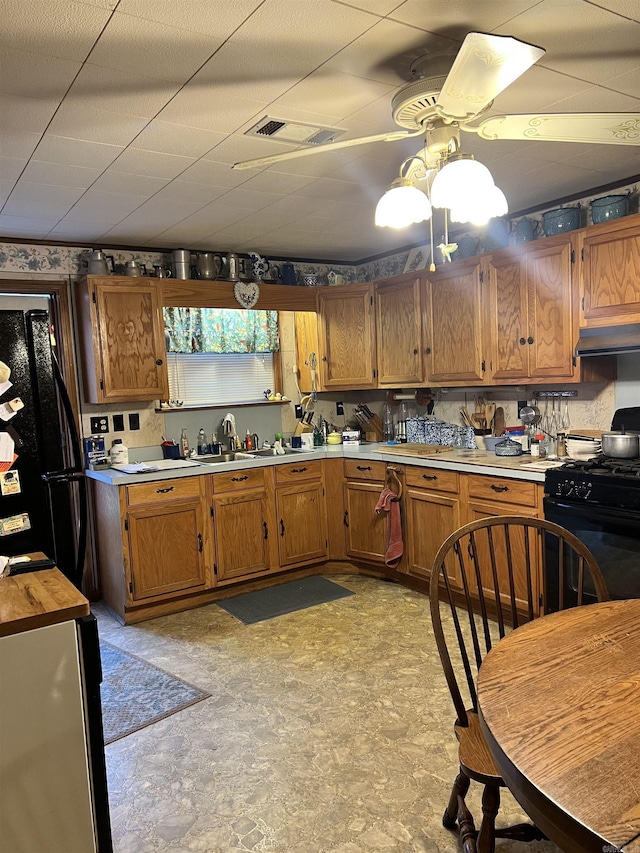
(609, 340)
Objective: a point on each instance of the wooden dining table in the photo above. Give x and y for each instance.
(559, 705)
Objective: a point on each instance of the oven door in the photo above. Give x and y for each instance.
(612, 536)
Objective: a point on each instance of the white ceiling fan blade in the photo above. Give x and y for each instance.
(331, 146)
(605, 128)
(484, 66)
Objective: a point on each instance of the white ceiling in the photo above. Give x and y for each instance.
(119, 121)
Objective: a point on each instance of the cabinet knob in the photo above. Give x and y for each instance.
(159, 361)
(428, 351)
(529, 340)
(324, 358)
(415, 351)
(522, 342)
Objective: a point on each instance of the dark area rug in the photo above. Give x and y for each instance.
(252, 607)
(135, 693)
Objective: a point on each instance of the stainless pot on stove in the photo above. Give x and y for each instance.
(621, 445)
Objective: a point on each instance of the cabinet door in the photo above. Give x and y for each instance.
(130, 339)
(365, 530)
(550, 338)
(243, 531)
(452, 321)
(508, 322)
(301, 523)
(306, 335)
(611, 274)
(430, 519)
(477, 510)
(166, 548)
(347, 337)
(399, 333)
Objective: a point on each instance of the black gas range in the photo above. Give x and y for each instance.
(600, 481)
(599, 501)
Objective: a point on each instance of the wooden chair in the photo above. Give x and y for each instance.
(484, 577)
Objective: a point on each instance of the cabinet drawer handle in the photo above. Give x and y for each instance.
(298, 470)
(500, 488)
(522, 342)
(200, 542)
(164, 491)
(266, 529)
(345, 520)
(159, 362)
(363, 467)
(239, 479)
(429, 477)
(281, 527)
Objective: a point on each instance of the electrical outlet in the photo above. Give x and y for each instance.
(339, 408)
(298, 411)
(99, 425)
(134, 421)
(118, 423)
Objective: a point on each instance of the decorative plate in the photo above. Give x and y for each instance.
(246, 293)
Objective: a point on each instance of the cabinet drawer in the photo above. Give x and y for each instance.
(245, 478)
(302, 470)
(163, 490)
(434, 479)
(503, 490)
(364, 469)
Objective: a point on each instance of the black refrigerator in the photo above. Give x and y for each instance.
(43, 505)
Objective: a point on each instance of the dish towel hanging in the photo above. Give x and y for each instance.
(229, 425)
(388, 502)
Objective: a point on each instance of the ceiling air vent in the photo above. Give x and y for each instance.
(293, 132)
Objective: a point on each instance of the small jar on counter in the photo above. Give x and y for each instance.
(537, 446)
(561, 448)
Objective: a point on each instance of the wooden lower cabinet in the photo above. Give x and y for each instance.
(432, 513)
(301, 523)
(243, 529)
(365, 531)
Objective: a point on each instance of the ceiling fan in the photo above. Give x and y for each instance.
(445, 100)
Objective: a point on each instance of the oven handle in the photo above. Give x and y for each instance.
(589, 511)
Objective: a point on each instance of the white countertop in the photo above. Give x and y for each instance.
(467, 461)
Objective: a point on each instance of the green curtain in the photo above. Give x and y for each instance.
(220, 330)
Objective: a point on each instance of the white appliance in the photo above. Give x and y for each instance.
(53, 796)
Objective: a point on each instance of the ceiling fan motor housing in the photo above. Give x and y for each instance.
(414, 104)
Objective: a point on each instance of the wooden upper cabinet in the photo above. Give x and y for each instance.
(611, 273)
(122, 337)
(306, 336)
(452, 324)
(347, 337)
(399, 333)
(530, 319)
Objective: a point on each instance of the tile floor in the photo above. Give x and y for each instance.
(329, 730)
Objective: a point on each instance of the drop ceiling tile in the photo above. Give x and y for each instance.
(197, 107)
(150, 163)
(145, 47)
(63, 28)
(377, 7)
(41, 200)
(326, 188)
(95, 125)
(625, 158)
(76, 152)
(297, 206)
(166, 138)
(33, 75)
(190, 192)
(96, 205)
(249, 199)
(538, 90)
(186, 232)
(125, 234)
(18, 143)
(215, 18)
(628, 83)
(333, 93)
(158, 216)
(595, 99)
(28, 114)
(117, 91)
(625, 8)
(5, 190)
(237, 147)
(113, 181)
(40, 172)
(275, 182)
(67, 231)
(457, 19)
(581, 40)
(11, 168)
(22, 226)
(214, 174)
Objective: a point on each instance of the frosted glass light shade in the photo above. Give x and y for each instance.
(458, 180)
(482, 208)
(402, 205)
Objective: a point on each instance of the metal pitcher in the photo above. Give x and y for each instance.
(97, 263)
(181, 260)
(134, 268)
(208, 265)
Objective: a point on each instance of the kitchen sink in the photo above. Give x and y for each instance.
(241, 455)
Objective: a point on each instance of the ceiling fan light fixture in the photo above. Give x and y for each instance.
(402, 204)
(459, 179)
(480, 209)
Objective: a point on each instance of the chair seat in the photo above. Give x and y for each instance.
(475, 756)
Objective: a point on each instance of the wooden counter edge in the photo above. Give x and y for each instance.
(38, 599)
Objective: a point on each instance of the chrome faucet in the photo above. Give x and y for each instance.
(233, 443)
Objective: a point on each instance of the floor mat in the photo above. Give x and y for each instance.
(252, 607)
(136, 693)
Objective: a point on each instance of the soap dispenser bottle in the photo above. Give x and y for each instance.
(202, 443)
(184, 443)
